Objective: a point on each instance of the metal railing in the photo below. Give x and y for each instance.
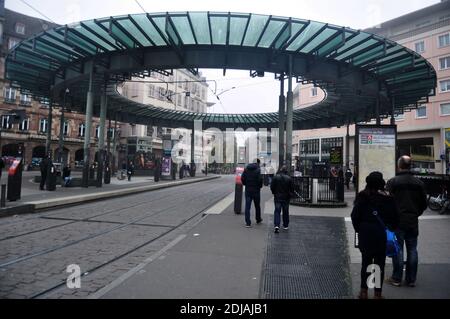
(329, 190)
(302, 190)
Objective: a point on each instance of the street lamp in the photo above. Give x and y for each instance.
(61, 131)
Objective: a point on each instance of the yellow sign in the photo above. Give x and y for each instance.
(447, 137)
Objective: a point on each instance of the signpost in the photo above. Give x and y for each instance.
(375, 150)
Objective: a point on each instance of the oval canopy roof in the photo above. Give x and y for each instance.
(354, 68)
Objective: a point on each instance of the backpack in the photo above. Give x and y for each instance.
(392, 245)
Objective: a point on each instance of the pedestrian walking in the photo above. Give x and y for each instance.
(43, 165)
(373, 211)
(410, 195)
(130, 170)
(2, 166)
(348, 177)
(281, 188)
(253, 182)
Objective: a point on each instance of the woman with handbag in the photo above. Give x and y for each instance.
(373, 212)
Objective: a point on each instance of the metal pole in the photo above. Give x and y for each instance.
(281, 124)
(114, 151)
(393, 111)
(49, 130)
(61, 132)
(101, 138)
(289, 119)
(193, 150)
(88, 126)
(347, 147)
(377, 107)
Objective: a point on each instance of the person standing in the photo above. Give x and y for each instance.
(2, 166)
(410, 195)
(281, 188)
(130, 170)
(43, 165)
(253, 182)
(373, 211)
(348, 177)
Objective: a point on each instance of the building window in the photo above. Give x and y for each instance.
(444, 63)
(161, 93)
(66, 128)
(421, 112)
(444, 40)
(179, 103)
(12, 42)
(9, 95)
(419, 47)
(20, 28)
(43, 125)
(25, 99)
(445, 109)
(314, 91)
(24, 125)
(6, 123)
(97, 132)
(187, 103)
(444, 85)
(81, 130)
(151, 90)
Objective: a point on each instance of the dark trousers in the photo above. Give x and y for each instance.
(255, 197)
(279, 206)
(43, 180)
(129, 177)
(408, 238)
(369, 259)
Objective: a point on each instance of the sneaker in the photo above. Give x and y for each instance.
(277, 230)
(259, 221)
(394, 282)
(248, 226)
(411, 284)
(286, 228)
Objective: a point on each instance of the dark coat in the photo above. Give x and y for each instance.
(371, 233)
(252, 179)
(43, 165)
(411, 198)
(282, 187)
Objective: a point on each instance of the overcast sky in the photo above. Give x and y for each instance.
(250, 95)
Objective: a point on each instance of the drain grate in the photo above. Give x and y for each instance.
(308, 262)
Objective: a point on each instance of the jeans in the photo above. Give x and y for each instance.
(369, 259)
(281, 205)
(43, 180)
(249, 197)
(408, 237)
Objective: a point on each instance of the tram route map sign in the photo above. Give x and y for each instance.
(375, 151)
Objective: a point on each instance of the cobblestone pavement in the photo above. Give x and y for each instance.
(105, 239)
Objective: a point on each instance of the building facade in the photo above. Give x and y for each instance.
(423, 133)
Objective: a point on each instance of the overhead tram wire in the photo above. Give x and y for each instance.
(138, 3)
(29, 5)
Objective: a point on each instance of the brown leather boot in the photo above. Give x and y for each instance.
(363, 294)
(378, 295)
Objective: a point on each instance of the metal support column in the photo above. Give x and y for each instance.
(61, 133)
(377, 107)
(393, 111)
(88, 128)
(347, 148)
(289, 119)
(192, 173)
(48, 142)
(281, 122)
(101, 138)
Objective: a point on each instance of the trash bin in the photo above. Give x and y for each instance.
(238, 191)
(15, 181)
(51, 177)
(107, 178)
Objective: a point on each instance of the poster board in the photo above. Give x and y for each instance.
(166, 166)
(375, 150)
(336, 157)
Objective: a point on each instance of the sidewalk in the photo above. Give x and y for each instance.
(33, 199)
(221, 259)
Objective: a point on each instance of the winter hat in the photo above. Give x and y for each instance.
(375, 181)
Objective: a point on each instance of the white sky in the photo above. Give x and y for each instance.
(250, 95)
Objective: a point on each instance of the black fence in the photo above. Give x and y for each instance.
(329, 190)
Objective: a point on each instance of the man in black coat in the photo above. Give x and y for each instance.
(253, 182)
(410, 195)
(281, 188)
(43, 165)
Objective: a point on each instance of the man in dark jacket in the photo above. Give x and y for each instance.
(253, 182)
(411, 199)
(43, 165)
(282, 189)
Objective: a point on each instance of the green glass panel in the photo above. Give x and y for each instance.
(333, 44)
(200, 25)
(96, 28)
(359, 48)
(312, 28)
(93, 37)
(394, 56)
(149, 28)
(255, 28)
(83, 44)
(271, 32)
(368, 56)
(219, 29)
(172, 34)
(131, 29)
(324, 35)
(353, 41)
(32, 60)
(184, 29)
(60, 42)
(284, 37)
(161, 24)
(122, 37)
(52, 51)
(393, 66)
(237, 28)
(14, 67)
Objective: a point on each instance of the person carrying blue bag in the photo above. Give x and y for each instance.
(374, 217)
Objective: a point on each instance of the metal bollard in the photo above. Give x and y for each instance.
(3, 198)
